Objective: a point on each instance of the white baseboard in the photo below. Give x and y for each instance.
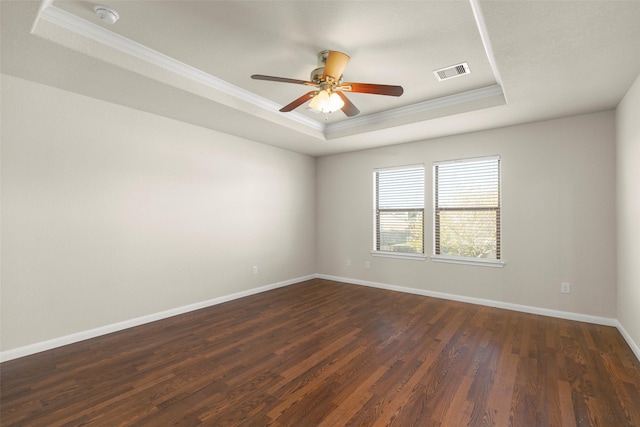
(92, 333)
(628, 339)
(479, 301)
(115, 327)
(606, 321)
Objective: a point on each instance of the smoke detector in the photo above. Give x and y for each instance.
(452, 71)
(106, 14)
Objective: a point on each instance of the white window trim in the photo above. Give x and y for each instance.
(400, 255)
(467, 160)
(482, 262)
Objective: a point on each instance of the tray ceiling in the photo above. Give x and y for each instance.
(192, 61)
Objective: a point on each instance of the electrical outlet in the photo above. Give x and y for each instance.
(565, 287)
(255, 269)
(367, 264)
(348, 263)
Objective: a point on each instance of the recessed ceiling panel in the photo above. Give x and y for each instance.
(398, 43)
(535, 46)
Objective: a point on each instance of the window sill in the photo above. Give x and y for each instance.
(400, 255)
(469, 261)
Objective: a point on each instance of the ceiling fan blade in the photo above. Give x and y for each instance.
(298, 102)
(281, 79)
(374, 89)
(348, 109)
(334, 66)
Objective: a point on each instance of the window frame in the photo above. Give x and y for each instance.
(487, 262)
(376, 215)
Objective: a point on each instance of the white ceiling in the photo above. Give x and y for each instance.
(192, 61)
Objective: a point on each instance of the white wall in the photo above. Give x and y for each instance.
(110, 213)
(628, 188)
(558, 183)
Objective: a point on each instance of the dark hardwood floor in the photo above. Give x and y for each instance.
(333, 354)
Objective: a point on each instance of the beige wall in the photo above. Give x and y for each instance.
(628, 187)
(110, 213)
(558, 183)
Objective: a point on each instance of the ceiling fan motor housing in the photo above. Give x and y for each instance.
(316, 75)
(322, 58)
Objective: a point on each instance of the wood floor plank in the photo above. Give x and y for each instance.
(323, 353)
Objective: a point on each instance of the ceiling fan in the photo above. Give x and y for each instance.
(328, 95)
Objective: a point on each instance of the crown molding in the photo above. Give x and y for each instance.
(106, 37)
(486, 42)
(101, 35)
(421, 107)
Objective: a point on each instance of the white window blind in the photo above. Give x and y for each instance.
(467, 208)
(399, 210)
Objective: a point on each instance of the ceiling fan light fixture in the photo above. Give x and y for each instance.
(326, 102)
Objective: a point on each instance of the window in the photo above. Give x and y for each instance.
(467, 210)
(399, 210)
